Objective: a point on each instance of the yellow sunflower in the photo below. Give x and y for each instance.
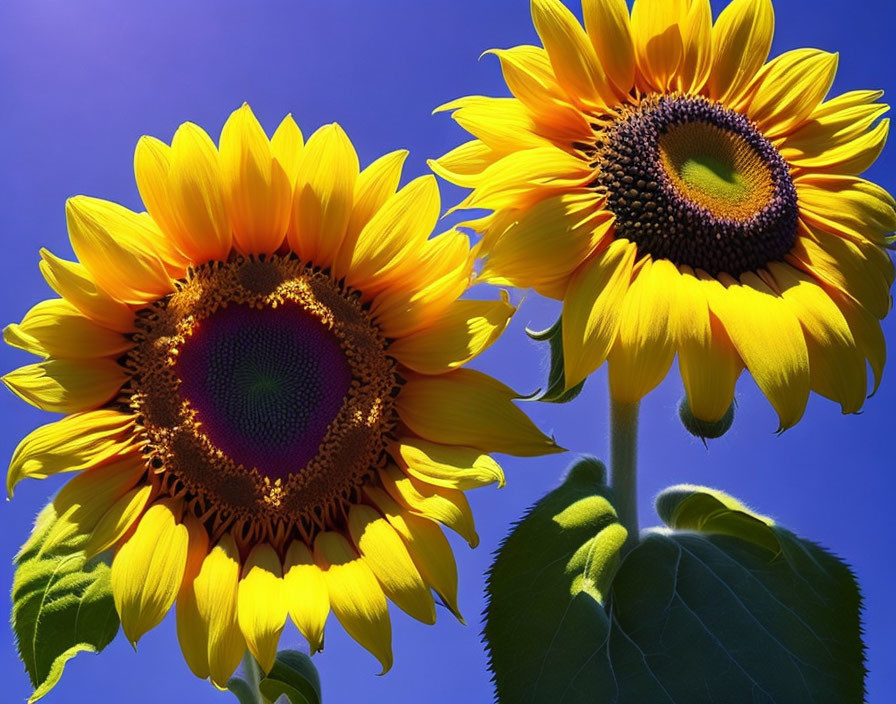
(682, 195)
(263, 392)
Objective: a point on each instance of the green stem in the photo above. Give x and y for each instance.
(624, 467)
(253, 675)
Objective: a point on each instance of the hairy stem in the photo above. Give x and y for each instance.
(624, 467)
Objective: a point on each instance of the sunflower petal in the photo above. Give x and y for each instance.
(118, 521)
(355, 596)
(71, 444)
(447, 506)
(789, 88)
(75, 284)
(741, 41)
(708, 362)
(645, 342)
(462, 332)
(867, 333)
(608, 26)
(286, 147)
(847, 205)
(447, 466)
(504, 125)
(111, 242)
(197, 198)
(257, 190)
(67, 386)
(469, 408)
(770, 341)
(148, 570)
(696, 62)
(836, 364)
(848, 159)
(306, 592)
(656, 31)
(262, 604)
(324, 194)
(426, 544)
(192, 631)
(215, 589)
(591, 309)
(57, 328)
(384, 552)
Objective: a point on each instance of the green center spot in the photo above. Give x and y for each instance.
(714, 177)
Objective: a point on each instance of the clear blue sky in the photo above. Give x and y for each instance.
(81, 81)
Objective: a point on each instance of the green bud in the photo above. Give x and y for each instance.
(705, 430)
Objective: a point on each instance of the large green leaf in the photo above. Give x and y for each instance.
(721, 606)
(61, 605)
(555, 390)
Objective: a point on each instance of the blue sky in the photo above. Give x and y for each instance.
(82, 81)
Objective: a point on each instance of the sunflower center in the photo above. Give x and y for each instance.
(265, 397)
(265, 383)
(695, 183)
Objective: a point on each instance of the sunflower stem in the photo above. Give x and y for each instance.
(252, 672)
(624, 467)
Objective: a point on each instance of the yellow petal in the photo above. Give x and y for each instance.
(658, 41)
(448, 466)
(435, 279)
(789, 88)
(548, 241)
(529, 75)
(355, 596)
(398, 230)
(504, 125)
(325, 187)
(708, 362)
(469, 408)
(447, 506)
(57, 328)
(262, 604)
(118, 520)
(152, 161)
(608, 27)
(836, 364)
(571, 53)
(770, 341)
(696, 34)
(462, 332)
(215, 590)
(866, 331)
(71, 444)
(848, 159)
(426, 544)
(384, 552)
(111, 242)
(468, 159)
(75, 284)
(67, 386)
(591, 309)
(257, 190)
(375, 185)
(192, 631)
(306, 593)
(87, 497)
(645, 342)
(147, 571)
(741, 40)
(195, 190)
(847, 205)
(286, 147)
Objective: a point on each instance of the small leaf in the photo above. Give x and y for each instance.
(62, 605)
(727, 607)
(242, 690)
(546, 587)
(293, 675)
(556, 391)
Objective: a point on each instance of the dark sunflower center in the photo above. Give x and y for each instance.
(695, 183)
(265, 383)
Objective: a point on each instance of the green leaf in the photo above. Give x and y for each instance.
(547, 585)
(293, 675)
(556, 391)
(242, 690)
(61, 605)
(721, 606)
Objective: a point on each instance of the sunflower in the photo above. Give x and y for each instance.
(264, 398)
(681, 195)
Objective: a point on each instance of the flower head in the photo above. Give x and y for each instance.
(263, 392)
(681, 195)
